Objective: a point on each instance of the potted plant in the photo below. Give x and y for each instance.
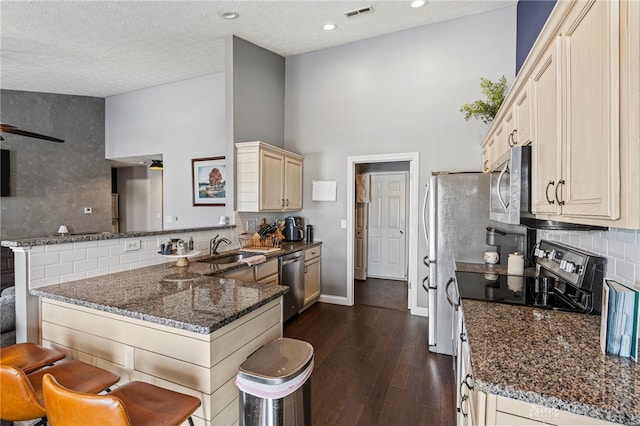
(487, 109)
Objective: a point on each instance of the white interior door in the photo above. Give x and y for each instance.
(387, 226)
(360, 241)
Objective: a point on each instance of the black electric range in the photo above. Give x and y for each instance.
(568, 279)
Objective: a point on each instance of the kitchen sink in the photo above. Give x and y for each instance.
(225, 259)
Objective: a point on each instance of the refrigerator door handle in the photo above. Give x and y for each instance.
(446, 292)
(425, 229)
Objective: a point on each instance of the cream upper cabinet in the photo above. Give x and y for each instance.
(546, 131)
(268, 178)
(590, 181)
(576, 145)
(581, 87)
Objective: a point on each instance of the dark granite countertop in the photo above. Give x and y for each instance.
(552, 359)
(194, 298)
(81, 237)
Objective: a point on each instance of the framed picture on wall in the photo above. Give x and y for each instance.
(209, 177)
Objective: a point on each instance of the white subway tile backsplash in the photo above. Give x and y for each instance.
(73, 255)
(621, 248)
(85, 265)
(73, 277)
(625, 270)
(615, 249)
(45, 281)
(129, 258)
(147, 255)
(43, 259)
(627, 235)
(58, 269)
(97, 252)
(97, 272)
(37, 272)
(108, 262)
(116, 250)
(109, 243)
(119, 268)
(52, 248)
(137, 265)
(85, 244)
(37, 250)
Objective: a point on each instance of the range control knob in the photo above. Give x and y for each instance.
(569, 267)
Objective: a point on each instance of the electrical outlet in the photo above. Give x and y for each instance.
(132, 245)
(251, 225)
(87, 210)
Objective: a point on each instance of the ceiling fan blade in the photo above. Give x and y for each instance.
(7, 128)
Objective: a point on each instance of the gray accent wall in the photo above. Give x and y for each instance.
(52, 182)
(391, 94)
(258, 94)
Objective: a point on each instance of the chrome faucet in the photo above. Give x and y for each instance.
(215, 242)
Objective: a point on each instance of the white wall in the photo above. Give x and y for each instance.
(181, 121)
(140, 199)
(391, 94)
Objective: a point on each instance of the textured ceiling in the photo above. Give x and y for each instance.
(103, 48)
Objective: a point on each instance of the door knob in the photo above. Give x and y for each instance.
(401, 231)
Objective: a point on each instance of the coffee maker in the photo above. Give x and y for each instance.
(293, 228)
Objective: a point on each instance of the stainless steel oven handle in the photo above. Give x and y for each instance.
(505, 169)
(424, 222)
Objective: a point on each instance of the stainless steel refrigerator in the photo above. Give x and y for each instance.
(455, 220)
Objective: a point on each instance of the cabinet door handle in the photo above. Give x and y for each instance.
(546, 192)
(513, 137)
(282, 202)
(486, 165)
(286, 202)
(560, 202)
(463, 337)
(468, 380)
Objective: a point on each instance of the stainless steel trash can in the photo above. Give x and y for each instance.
(275, 385)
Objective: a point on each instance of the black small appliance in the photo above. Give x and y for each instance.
(293, 228)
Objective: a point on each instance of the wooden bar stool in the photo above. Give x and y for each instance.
(132, 404)
(28, 356)
(21, 394)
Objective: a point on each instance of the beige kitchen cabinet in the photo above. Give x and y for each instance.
(268, 178)
(545, 152)
(581, 86)
(586, 183)
(312, 257)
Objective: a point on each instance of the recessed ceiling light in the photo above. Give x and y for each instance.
(329, 27)
(230, 15)
(418, 3)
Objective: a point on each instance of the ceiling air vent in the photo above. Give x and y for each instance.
(357, 12)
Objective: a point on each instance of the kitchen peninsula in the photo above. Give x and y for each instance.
(168, 325)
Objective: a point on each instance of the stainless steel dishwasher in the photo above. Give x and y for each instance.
(292, 275)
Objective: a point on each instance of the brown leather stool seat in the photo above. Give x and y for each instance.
(132, 404)
(28, 356)
(21, 394)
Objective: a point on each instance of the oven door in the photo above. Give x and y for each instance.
(509, 186)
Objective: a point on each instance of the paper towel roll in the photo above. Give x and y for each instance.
(515, 264)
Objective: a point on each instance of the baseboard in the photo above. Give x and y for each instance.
(421, 312)
(336, 300)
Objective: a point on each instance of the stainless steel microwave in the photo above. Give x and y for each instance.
(511, 185)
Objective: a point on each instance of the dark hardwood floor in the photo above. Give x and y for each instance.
(372, 365)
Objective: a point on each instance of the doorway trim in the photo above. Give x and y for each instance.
(412, 257)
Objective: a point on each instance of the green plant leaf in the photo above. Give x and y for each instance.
(487, 109)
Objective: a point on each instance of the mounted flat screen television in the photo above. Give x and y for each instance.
(5, 173)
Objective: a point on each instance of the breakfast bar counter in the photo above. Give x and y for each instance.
(167, 325)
